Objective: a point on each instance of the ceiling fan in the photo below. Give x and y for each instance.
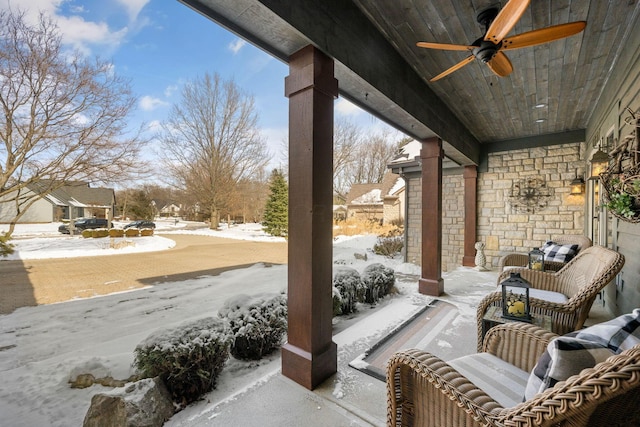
(489, 48)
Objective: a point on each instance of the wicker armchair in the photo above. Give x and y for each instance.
(522, 260)
(579, 281)
(423, 390)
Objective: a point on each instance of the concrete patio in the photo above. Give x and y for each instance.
(350, 397)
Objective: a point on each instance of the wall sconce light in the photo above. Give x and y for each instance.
(599, 163)
(577, 186)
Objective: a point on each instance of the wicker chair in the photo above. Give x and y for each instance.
(522, 260)
(579, 281)
(423, 390)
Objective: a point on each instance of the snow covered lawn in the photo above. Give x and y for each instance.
(43, 347)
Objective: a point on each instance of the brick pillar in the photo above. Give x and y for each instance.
(470, 214)
(310, 356)
(431, 156)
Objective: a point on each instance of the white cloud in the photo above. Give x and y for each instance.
(236, 45)
(344, 107)
(170, 90)
(149, 103)
(133, 7)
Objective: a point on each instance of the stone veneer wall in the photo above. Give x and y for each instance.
(499, 227)
(452, 220)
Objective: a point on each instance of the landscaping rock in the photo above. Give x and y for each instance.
(145, 403)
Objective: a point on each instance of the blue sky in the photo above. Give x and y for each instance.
(161, 44)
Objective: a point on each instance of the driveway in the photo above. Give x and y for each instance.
(35, 282)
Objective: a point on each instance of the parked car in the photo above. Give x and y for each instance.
(85, 224)
(142, 223)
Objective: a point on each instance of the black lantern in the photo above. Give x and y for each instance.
(515, 298)
(599, 163)
(536, 259)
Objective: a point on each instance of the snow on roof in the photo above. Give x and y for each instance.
(373, 196)
(397, 186)
(408, 152)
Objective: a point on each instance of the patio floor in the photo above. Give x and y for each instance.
(350, 397)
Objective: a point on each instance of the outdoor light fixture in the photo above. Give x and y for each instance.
(599, 163)
(577, 186)
(536, 259)
(515, 298)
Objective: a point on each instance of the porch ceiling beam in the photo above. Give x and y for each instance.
(372, 74)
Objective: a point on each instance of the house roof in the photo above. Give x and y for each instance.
(77, 194)
(553, 92)
(368, 194)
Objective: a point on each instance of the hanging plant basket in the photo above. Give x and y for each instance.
(622, 193)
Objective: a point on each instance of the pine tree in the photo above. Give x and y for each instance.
(276, 220)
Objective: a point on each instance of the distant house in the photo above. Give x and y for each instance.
(73, 200)
(166, 208)
(382, 202)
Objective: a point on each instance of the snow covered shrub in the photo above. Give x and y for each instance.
(100, 232)
(347, 282)
(258, 324)
(389, 244)
(131, 232)
(378, 281)
(188, 358)
(146, 232)
(116, 232)
(87, 234)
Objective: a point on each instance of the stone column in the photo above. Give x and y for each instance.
(431, 156)
(310, 356)
(470, 214)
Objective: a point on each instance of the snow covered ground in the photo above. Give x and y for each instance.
(43, 347)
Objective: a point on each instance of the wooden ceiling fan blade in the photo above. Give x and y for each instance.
(443, 46)
(500, 65)
(506, 20)
(459, 65)
(543, 35)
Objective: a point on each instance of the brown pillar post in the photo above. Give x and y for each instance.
(431, 156)
(470, 215)
(310, 356)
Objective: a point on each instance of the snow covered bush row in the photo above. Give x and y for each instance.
(187, 358)
(258, 324)
(350, 288)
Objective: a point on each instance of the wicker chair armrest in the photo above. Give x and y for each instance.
(544, 280)
(422, 389)
(596, 396)
(513, 260)
(553, 266)
(519, 344)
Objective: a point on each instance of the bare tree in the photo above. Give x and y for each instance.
(211, 142)
(63, 117)
(358, 157)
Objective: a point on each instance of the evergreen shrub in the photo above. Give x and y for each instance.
(87, 234)
(116, 232)
(348, 285)
(131, 232)
(378, 281)
(100, 232)
(276, 211)
(258, 324)
(146, 232)
(188, 358)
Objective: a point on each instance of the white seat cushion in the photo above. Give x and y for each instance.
(505, 383)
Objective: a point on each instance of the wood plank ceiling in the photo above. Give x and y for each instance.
(554, 86)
